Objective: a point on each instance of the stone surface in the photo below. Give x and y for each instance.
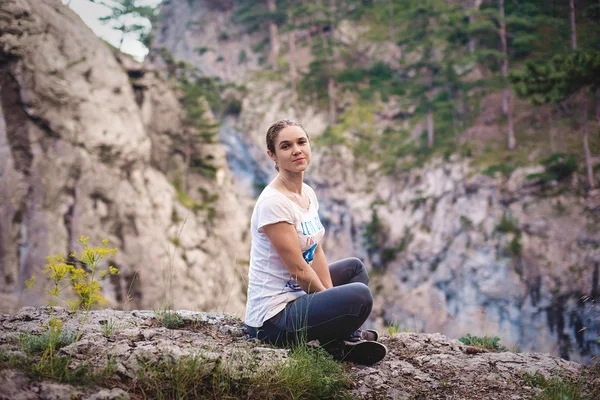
(430, 366)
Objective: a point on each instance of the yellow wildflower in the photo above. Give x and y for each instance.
(56, 324)
(113, 270)
(83, 240)
(29, 283)
(78, 274)
(73, 304)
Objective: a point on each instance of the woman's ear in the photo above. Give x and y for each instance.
(271, 155)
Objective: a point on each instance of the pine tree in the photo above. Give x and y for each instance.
(122, 12)
(255, 15)
(506, 100)
(554, 82)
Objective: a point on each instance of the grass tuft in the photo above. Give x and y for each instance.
(486, 342)
(35, 344)
(557, 388)
(59, 368)
(168, 318)
(308, 373)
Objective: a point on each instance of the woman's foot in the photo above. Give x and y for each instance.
(359, 352)
(363, 352)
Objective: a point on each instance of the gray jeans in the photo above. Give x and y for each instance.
(330, 316)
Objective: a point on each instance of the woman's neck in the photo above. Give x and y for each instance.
(291, 181)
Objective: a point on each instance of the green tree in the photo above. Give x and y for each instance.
(554, 82)
(198, 128)
(122, 15)
(255, 15)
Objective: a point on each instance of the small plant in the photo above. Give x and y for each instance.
(504, 169)
(242, 57)
(53, 338)
(175, 241)
(168, 318)
(507, 224)
(535, 380)
(393, 328)
(84, 275)
(172, 320)
(486, 342)
(465, 222)
(557, 388)
(515, 246)
(202, 50)
(557, 167)
(109, 327)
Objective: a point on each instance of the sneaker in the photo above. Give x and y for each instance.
(363, 352)
(359, 352)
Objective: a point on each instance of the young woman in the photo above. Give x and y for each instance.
(293, 292)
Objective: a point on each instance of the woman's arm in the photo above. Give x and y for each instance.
(321, 267)
(284, 239)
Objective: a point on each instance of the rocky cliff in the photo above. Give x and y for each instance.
(86, 144)
(451, 250)
(136, 347)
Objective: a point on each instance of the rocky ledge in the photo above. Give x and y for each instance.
(418, 366)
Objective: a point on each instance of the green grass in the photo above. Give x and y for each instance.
(485, 342)
(109, 327)
(58, 368)
(168, 318)
(507, 224)
(557, 388)
(34, 344)
(307, 374)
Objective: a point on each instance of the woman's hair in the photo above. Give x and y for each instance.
(274, 130)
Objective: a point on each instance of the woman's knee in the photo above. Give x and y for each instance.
(361, 293)
(360, 269)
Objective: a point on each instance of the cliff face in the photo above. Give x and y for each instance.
(85, 144)
(455, 251)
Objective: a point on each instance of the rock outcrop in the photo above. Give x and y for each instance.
(85, 149)
(424, 366)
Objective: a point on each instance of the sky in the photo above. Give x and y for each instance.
(90, 12)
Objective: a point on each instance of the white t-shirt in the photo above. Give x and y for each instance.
(270, 285)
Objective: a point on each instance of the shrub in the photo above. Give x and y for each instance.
(507, 224)
(557, 167)
(505, 169)
(54, 339)
(233, 106)
(486, 342)
(172, 320)
(168, 318)
(242, 57)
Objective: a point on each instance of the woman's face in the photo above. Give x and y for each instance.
(292, 149)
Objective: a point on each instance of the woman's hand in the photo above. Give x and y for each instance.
(284, 239)
(321, 267)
